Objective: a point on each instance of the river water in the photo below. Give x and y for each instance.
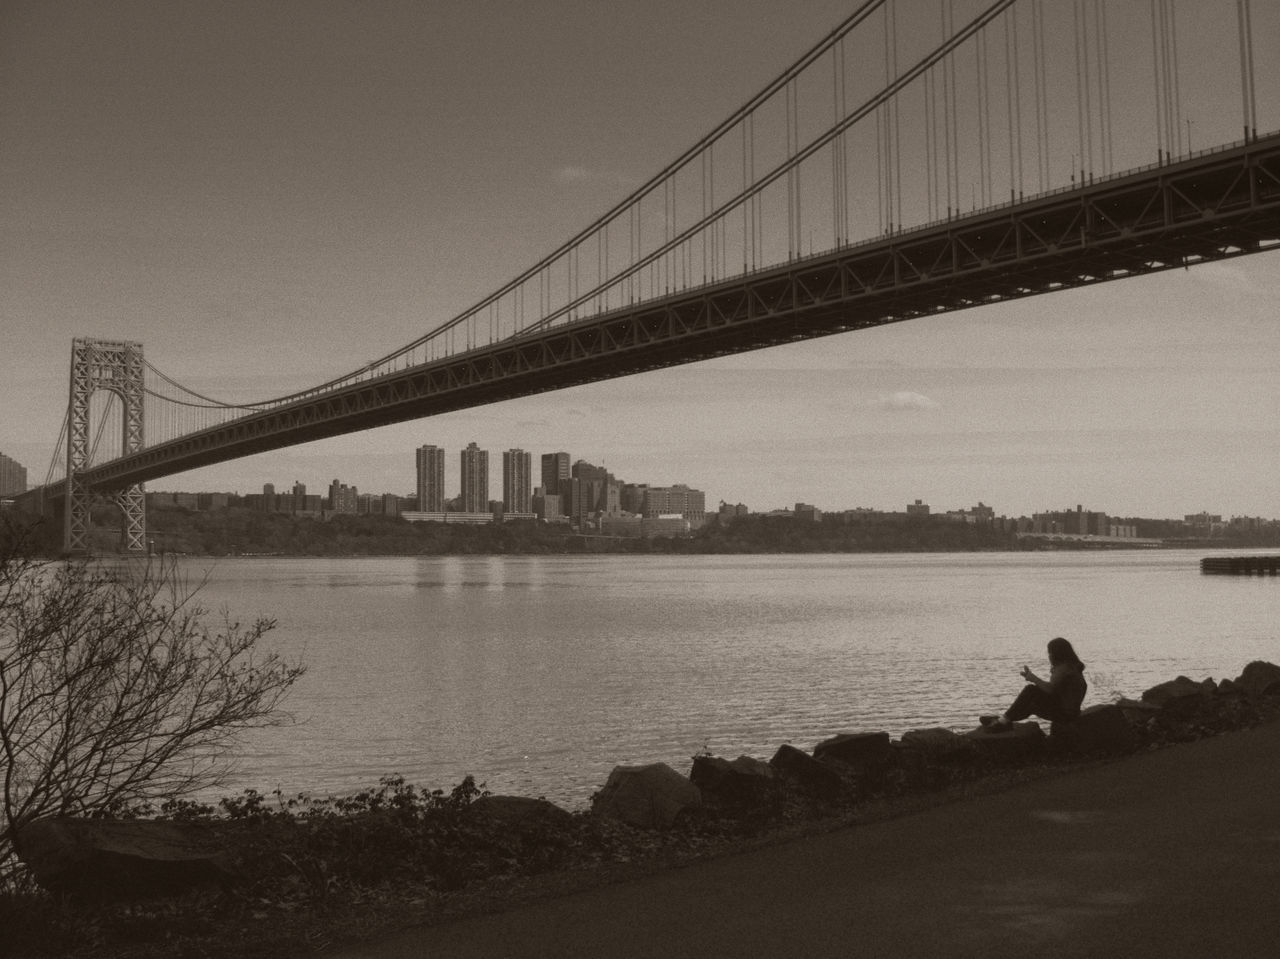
(539, 674)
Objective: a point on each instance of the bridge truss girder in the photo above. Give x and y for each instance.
(1211, 207)
(117, 367)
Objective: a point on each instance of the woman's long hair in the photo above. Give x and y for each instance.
(1060, 651)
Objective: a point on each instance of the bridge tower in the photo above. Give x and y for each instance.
(115, 366)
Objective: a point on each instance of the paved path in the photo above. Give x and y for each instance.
(1169, 854)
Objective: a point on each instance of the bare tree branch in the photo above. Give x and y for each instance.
(114, 691)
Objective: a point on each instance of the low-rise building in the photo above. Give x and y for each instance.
(13, 477)
(546, 506)
(671, 524)
(448, 516)
(806, 513)
(622, 524)
(690, 504)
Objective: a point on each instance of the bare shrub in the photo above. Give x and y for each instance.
(114, 691)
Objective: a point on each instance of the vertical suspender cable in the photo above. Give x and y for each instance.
(1017, 94)
(751, 178)
(746, 207)
(844, 148)
(793, 145)
(795, 149)
(929, 174)
(666, 232)
(1088, 97)
(791, 182)
(1176, 105)
(1246, 66)
(979, 62)
(897, 129)
(1166, 79)
(1171, 115)
(1160, 96)
(952, 111)
(1104, 83)
(1242, 28)
(679, 269)
(837, 200)
(835, 153)
(702, 168)
(679, 275)
(1009, 99)
(1042, 97)
(711, 204)
(882, 140)
(943, 10)
(1080, 118)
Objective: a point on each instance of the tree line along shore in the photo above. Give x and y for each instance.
(236, 531)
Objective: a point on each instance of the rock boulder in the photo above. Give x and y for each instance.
(1260, 678)
(744, 781)
(807, 772)
(647, 796)
(1098, 729)
(938, 744)
(1012, 743)
(516, 810)
(1137, 712)
(1181, 694)
(863, 752)
(120, 859)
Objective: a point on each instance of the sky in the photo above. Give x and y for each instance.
(267, 195)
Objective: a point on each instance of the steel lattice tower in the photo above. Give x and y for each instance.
(115, 366)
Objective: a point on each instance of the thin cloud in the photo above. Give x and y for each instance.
(904, 401)
(574, 174)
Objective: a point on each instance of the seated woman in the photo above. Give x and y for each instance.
(1056, 699)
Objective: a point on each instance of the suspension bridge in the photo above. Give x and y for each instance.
(925, 156)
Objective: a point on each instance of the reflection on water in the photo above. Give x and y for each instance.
(539, 674)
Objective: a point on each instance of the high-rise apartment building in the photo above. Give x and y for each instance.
(572, 503)
(517, 481)
(343, 498)
(475, 480)
(631, 497)
(555, 467)
(430, 463)
(13, 476)
(596, 481)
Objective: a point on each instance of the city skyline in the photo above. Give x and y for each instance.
(259, 242)
(435, 459)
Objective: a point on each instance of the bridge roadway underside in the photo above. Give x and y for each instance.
(1222, 204)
